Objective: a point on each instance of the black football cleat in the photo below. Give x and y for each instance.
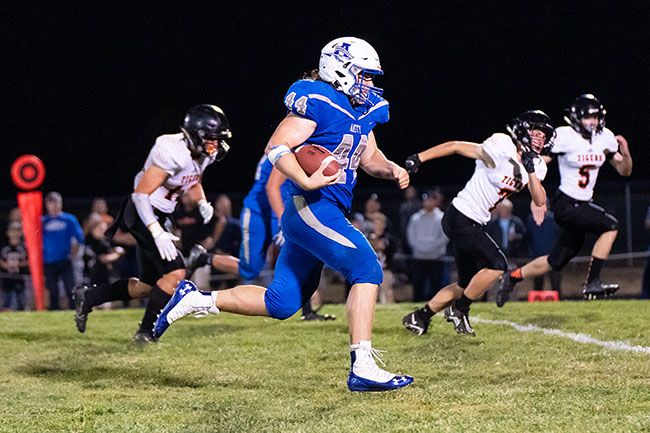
(506, 287)
(194, 260)
(142, 338)
(80, 313)
(460, 321)
(416, 322)
(597, 290)
(313, 316)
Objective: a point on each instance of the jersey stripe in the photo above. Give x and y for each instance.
(331, 104)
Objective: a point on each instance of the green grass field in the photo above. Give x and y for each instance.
(239, 374)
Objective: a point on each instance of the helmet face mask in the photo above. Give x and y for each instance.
(585, 106)
(535, 120)
(206, 129)
(349, 64)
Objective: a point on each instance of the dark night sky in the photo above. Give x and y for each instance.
(90, 86)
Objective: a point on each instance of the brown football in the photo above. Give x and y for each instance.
(311, 156)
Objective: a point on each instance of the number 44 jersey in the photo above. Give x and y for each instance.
(341, 128)
(580, 160)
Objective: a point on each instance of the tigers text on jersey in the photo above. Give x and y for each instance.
(171, 154)
(488, 186)
(340, 127)
(579, 160)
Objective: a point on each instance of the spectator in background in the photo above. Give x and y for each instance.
(62, 238)
(541, 240)
(507, 230)
(227, 234)
(383, 244)
(373, 208)
(100, 253)
(407, 208)
(99, 208)
(645, 289)
(428, 244)
(13, 261)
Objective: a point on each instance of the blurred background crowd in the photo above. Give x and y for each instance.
(405, 232)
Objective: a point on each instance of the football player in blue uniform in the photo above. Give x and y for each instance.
(260, 227)
(337, 108)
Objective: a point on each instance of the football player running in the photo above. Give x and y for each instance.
(337, 108)
(174, 166)
(505, 164)
(260, 229)
(581, 149)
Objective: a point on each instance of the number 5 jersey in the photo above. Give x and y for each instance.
(580, 160)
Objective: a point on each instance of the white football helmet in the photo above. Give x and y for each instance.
(344, 62)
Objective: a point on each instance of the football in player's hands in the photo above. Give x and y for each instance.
(311, 156)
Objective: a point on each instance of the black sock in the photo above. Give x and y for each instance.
(427, 312)
(157, 301)
(306, 308)
(116, 291)
(463, 303)
(594, 269)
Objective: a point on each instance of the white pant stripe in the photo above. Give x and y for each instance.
(310, 219)
(246, 235)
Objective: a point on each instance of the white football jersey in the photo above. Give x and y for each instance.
(171, 154)
(579, 160)
(488, 186)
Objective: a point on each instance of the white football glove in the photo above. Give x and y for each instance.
(206, 210)
(164, 242)
(278, 239)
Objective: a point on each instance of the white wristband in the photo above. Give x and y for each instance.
(278, 152)
(156, 229)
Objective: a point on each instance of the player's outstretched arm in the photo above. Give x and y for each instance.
(374, 162)
(467, 149)
(291, 132)
(622, 160)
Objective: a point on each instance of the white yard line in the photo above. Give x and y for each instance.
(577, 337)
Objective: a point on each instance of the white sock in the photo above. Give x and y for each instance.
(207, 300)
(365, 365)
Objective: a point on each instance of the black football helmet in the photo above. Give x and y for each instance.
(520, 126)
(582, 106)
(206, 129)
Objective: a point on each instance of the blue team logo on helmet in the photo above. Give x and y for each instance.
(341, 52)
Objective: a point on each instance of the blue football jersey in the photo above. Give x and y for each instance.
(340, 127)
(256, 197)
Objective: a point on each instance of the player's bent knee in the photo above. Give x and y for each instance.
(282, 311)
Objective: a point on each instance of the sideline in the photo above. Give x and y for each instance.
(577, 337)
